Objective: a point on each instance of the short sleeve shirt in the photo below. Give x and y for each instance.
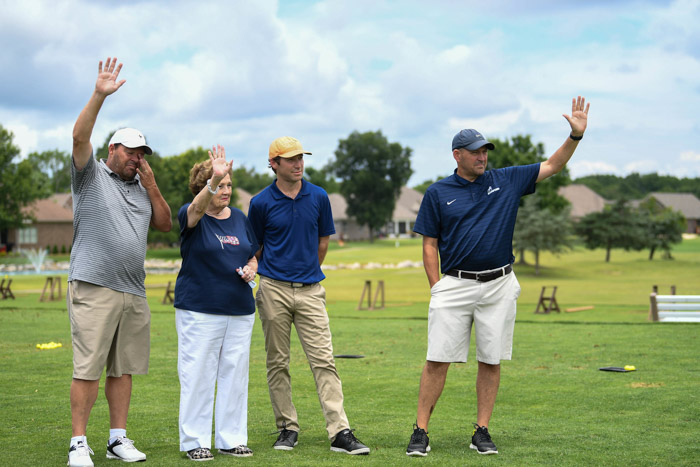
(111, 217)
(211, 252)
(474, 221)
(288, 231)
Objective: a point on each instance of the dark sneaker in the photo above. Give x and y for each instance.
(286, 440)
(418, 446)
(346, 442)
(200, 454)
(123, 449)
(238, 451)
(481, 441)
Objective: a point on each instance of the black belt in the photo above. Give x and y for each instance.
(481, 276)
(294, 285)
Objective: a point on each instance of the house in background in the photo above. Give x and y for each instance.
(243, 200)
(686, 203)
(583, 200)
(346, 228)
(405, 213)
(52, 225)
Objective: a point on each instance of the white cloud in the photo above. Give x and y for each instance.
(242, 73)
(690, 156)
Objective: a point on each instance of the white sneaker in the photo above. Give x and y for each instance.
(123, 448)
(79, 455)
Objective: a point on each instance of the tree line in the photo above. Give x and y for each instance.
(369, 172)
(367, 169)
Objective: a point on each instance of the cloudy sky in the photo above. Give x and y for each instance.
(241, 73)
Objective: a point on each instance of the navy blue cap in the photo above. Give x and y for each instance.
(471, 140)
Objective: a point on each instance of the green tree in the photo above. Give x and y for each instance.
(323, 178)
(538, 230)
(617, 226)
(249, 180)
(56, 166)
(636, 186)
(665, 227)
(372, 172)
(20, 184)
(520, 150)
(423, 186)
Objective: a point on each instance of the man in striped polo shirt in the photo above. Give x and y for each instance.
(467, 220)
(114, 202)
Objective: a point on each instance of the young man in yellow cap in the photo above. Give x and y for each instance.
(293, 222)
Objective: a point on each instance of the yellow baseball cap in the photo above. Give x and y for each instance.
(286, 147)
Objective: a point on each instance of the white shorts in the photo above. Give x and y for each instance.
(457, 303)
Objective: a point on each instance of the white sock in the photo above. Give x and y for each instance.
(76, 439)
(115, 433)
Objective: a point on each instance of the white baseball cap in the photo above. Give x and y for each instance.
(131, 138)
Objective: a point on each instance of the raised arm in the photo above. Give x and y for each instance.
(82, 131)
(220, 168)
(578, 121)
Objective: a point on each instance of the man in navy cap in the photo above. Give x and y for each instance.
(467, 222)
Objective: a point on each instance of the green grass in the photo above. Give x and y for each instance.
(554, 406)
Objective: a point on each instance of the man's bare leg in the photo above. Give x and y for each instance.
(432, 382)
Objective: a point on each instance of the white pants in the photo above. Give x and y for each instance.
(213, 352)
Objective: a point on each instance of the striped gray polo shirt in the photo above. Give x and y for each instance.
(110, 225)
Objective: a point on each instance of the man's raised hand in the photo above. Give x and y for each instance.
(107, 77)
(579, 115)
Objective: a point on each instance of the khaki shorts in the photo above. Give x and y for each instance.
(108, 328)
(456, 304)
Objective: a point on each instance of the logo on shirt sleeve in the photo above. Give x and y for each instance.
(229, 239)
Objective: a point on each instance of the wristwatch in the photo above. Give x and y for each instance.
(213, 192)
(575, 138)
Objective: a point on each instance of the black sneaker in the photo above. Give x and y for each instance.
(346, 442)
(286, 440)
(481, 441)
(419, 444)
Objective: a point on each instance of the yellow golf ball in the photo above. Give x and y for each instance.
(630, 367)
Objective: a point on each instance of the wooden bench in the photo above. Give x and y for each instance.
(5, 289)
(674, 308)
(169, 296)
(548, 304)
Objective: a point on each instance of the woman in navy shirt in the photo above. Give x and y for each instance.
(215, 312)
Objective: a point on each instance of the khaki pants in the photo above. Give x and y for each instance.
(280, 305)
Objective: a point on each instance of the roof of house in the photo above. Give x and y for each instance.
(687, 203)
(339, 206)
(56, 208)
(243, 199)
(583, 200)
(407, 205)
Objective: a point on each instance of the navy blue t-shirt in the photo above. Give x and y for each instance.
(211, 252)
(474, 221)
(288, 231)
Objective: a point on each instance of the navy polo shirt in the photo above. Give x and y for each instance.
(211, 251)
(288, 231)
(474, 221)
